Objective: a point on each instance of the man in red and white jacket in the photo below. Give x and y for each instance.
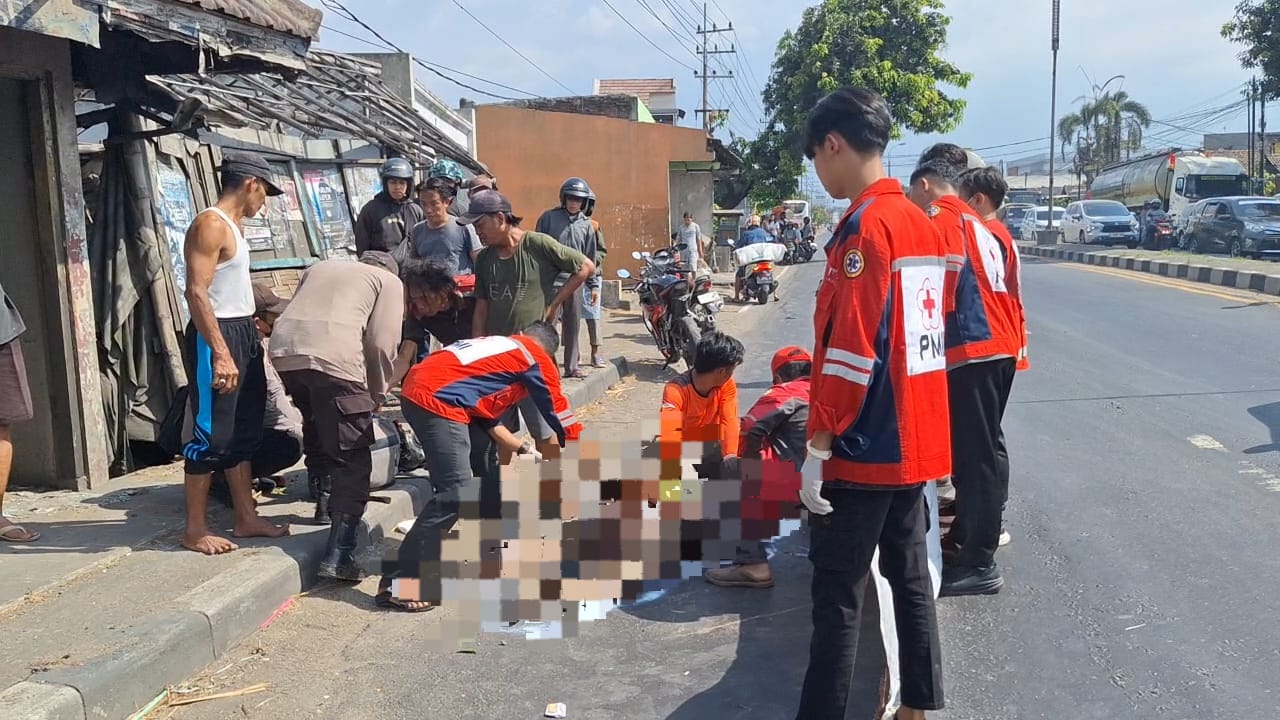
(984, 341)
(879, 430)
(454, 401)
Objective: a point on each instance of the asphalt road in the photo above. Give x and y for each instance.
(1145, 444)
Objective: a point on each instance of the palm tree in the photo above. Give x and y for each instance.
(1123, 119)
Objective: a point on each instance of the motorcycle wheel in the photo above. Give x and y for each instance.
(762, 296)
(692, 334)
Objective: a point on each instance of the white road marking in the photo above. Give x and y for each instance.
(1267, 480)
(1204, 442)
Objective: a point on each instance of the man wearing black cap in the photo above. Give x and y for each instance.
(281, 445)
(228, 383)
(515, 287)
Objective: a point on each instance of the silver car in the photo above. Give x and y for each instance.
(1100, 222)
(1038, 220)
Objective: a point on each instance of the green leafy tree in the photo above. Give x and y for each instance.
(820, 214)
(1255, 27)
(890, 46)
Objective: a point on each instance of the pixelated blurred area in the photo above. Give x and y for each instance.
(593, 528)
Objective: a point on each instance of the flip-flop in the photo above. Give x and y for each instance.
(7, 534)
(389, 602)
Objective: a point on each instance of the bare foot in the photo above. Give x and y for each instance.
(259, 527)
(203, 541)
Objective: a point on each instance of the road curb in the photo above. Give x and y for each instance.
(208, 620)
(1223, 277)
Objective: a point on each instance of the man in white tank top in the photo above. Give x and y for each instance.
(227, 391)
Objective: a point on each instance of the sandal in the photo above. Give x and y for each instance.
(384, 599)
(17, 534)
(578, 374)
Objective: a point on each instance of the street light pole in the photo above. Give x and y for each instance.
(1053, 106)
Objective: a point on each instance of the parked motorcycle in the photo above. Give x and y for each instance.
(677, 303)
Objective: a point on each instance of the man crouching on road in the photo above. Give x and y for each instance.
(454, 400)
(228, 391)
(334, 346)
(773, 449)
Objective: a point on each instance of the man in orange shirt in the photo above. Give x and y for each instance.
(701, 405)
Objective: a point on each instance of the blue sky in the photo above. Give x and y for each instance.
(1170, 53)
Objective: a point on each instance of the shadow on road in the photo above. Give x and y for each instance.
(770, 631)
(1268, 415)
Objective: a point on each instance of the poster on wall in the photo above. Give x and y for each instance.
(364, 183)
(327, 199)
(178, 211)
(279, 228)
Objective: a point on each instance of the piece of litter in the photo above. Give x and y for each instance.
(686, 672)
(468, 646)
(1135, 627)
(556, 710)
(260, 687)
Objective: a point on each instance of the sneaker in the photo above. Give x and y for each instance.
(741, 576)
(1005, 537)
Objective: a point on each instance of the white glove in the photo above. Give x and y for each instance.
(811, 487)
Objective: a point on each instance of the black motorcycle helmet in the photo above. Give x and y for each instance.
(396, 169)
(578, 188)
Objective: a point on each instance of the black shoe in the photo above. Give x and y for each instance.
(339, 561)
(959, 581)
(324, 484)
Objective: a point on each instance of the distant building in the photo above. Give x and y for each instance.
(1236, 145)
(657, 94)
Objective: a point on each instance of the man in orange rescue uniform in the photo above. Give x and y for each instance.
(879, 429)
(983, 344)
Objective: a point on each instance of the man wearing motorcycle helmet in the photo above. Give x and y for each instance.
(752, 235)
(570, 224)
(385, 221)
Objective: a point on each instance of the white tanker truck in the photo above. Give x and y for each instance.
(1177, 178)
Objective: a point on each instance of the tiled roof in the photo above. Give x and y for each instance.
(641, 88)
(287, 16)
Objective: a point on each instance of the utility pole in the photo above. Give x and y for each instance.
(1262, 138)
(707, 74)
(1053, 105)
(1253, 92)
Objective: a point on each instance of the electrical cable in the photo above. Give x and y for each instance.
(513, 49)
(646, 37)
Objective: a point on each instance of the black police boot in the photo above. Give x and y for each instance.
(339, 561)
(324, 483)
(960, 580)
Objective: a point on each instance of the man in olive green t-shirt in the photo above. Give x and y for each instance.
(515, 285)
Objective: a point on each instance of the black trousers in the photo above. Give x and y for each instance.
(279, 450)
(841, 545)
(337, 434)
(979, 393)
(455, 454)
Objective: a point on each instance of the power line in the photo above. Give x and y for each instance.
(536, 66)
(431, 66)
(679, 40)
(646, 37)
(347, 14)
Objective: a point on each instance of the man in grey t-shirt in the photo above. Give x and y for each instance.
(439, 239)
